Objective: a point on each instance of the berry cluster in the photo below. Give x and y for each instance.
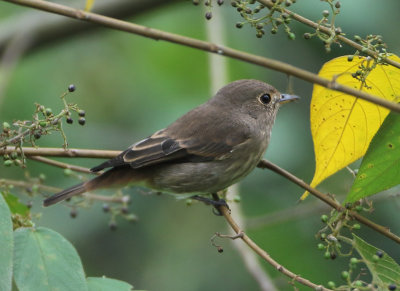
(252, 15)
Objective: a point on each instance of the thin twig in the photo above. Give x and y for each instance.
(63, 165)
(202, 45)
(46, 188)
(379, 228)
(112, 199)
(327, 31)
(27, 185)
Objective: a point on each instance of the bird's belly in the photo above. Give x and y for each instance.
(206, 177)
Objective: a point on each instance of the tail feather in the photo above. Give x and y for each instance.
(67, 193)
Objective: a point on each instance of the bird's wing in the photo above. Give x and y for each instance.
(162, 147)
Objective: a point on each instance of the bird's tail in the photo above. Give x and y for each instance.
(119, 176)
(65, 194)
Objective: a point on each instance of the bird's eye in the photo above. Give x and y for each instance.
(266, 98)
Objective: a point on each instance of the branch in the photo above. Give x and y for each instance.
(263, 254)
(379, 228)
(60, 152)
(50, 29)
(250, 259)
(202, 45)
(105, 154)
(327, 31)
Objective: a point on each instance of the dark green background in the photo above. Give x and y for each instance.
(131, 86)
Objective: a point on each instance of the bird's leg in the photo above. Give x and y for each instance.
(215, 201)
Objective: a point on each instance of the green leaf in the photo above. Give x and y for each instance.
(15, 206)
(44, 260)
(6, 244)
(380, 167)
(384, 271)
(107, 284)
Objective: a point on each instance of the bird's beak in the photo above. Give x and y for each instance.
(285, 98)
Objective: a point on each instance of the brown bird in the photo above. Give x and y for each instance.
(206, 150)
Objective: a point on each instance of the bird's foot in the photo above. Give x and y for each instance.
(216, 202)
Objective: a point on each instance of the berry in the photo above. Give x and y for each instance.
(392, 287)
(239, 25)
(73, 213)
(353, 261)
(325, 13)
(321, 247)
(358, 283)
(379, 254)
(131, 217)
(208, 15)
(324, 218)
(106, 207)
(6, 126)
(67, 172)
(48, 111)
(350, 58)
(327, 255)
(81, 113)
(220, 250)
(71, 88)
(7, 163)
(375, 258)
(345, 275)
(220, 2)
(82, 121)
(37, 135)
(196, 2)
(112, 225)
(331, 284)
(288, 3)
(337, 5)
(356, 226)
(69, 120)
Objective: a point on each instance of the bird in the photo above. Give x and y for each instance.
(204, 151)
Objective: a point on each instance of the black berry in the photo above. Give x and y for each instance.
(106, 207)
(82, 121)
(73, 213)
(71, 88)
(69, 120)
(208, 15)
(113, 225)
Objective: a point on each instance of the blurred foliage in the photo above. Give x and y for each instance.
(131, 86)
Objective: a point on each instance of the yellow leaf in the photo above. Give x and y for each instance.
(342, 126)
(89, 5)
